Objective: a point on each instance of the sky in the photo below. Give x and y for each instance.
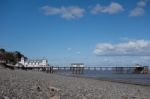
(94, 32)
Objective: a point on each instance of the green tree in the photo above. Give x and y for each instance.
(18, 56)
(2, 50)
(10, 58)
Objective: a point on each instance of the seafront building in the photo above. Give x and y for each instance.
(77, 68)
(33, 63)
(77, 65)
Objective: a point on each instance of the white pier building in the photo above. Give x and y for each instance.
(34, 63)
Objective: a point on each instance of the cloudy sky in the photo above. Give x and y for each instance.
(94, 32)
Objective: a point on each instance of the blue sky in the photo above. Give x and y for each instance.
(88, 31)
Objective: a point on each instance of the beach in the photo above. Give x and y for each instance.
(21, 84)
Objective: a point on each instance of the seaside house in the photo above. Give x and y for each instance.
(77, 65)
(77, 68)
(34, 63)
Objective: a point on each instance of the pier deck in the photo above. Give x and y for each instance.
(80, 70)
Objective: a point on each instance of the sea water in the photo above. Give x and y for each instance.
(110, 75)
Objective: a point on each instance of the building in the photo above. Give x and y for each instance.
(77, 65)
(34, 63)
(77, 68)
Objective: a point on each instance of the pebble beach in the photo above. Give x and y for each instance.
(20, 84)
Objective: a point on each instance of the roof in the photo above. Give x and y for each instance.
(35, 60)
(77, 64)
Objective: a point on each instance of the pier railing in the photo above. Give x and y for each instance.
(80, 70)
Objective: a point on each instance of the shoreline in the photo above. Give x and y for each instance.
(95, 78)
(108, 79)
(20, 84)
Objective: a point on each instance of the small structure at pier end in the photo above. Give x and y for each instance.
(137, 69)
(34, 63)
(77, 68)
(141, 69)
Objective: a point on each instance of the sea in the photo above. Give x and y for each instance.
(132, 78)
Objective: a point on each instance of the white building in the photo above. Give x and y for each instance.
(77, 65)
(34, 63)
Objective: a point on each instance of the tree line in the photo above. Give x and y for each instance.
(11, 57)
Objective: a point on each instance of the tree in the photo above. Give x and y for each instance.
(2, 50)
(18, 55)
(10, 58)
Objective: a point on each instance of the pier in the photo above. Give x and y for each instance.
(80, 70)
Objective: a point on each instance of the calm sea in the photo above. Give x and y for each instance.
(143, 79)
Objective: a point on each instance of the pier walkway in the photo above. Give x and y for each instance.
(80, 70)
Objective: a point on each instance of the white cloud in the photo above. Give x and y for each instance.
(142, 3)
(137, 12)
(131, 48)
(139, 9)
(97, 9)
(71, 12)
(78, 52)
(69, 49)
(145, 58)
(111, 9)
